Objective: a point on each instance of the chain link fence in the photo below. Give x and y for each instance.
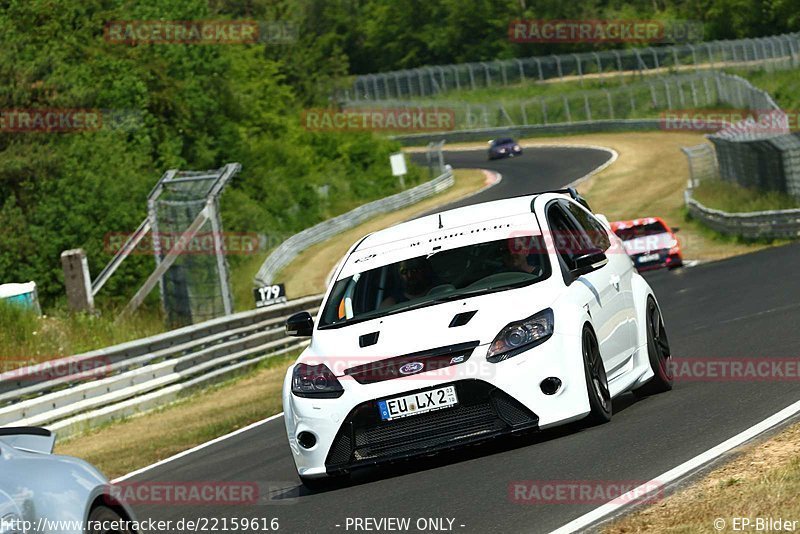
(777, 52)
(644, 99)
(196, 286)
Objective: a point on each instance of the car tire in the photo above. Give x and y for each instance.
(324, 483)
(658, 352)
(596, 380)
(102, 514)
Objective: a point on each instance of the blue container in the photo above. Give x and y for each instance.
(23, 295)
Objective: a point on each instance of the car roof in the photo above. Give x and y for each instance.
(464, 216)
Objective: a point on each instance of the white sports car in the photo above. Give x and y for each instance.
(44, 492)
(521, 313)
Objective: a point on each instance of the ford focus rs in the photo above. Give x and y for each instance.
(463, 326)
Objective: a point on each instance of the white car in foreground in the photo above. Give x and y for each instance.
(41, 492)
(522, 313)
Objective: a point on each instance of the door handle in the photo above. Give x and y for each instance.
(614, 281)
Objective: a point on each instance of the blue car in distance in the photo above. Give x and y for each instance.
(504, 148)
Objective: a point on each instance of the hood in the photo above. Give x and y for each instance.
(427, 328)
(650, 243)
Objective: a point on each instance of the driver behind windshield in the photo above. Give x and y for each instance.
(416, 279)
(517, 256)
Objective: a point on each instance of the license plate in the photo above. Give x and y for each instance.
(648, 257)
(417, 403)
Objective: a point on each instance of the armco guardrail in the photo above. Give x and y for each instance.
(145, 373)
(780, 224)
(292, 247)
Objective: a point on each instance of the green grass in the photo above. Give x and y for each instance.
(782, 85)
(525, 90)
(734, 198)
(27, 338)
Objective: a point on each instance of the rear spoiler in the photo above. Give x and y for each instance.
(28, 438)
(573, 193)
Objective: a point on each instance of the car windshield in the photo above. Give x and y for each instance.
(507, 141)
(641, 230)
(426, 280)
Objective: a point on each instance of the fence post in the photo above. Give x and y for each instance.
(578, 64)
(558, 66)
(77, 281)
(488, 74)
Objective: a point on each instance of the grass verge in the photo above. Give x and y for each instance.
(734, 198)
(762, 481)
(122, 446)
(306, 275)
(26, 338)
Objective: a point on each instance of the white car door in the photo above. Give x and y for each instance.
(590, 290)
(615, 278)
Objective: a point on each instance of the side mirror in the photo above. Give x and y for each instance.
(588, 263)
(675, 229)
(300, 324)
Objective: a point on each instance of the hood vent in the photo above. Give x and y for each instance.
(461, 319)
(368, 339)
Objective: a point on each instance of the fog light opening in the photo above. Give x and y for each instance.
(306, 439)
(550, 385)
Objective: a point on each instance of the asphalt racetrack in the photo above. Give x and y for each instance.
(742, 307)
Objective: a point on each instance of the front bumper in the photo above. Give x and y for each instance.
(507, 154)
(664, 260)
(493, 399)
(483, 412)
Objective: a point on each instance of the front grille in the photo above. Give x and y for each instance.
(483, 411)
(411, 364)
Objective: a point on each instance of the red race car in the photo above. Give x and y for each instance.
(650, 243)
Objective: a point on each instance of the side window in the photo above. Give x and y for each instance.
(566, 238)
(594, 229)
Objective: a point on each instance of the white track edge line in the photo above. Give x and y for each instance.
(679, 471)
(196, 448)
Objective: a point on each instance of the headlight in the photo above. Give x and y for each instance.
(502, 150)
(315, 381)
(520, 336)
(517, 147)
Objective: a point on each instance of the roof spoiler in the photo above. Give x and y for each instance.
(28, 438)
(573, 193)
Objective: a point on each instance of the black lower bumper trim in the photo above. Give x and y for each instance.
(483, 412)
